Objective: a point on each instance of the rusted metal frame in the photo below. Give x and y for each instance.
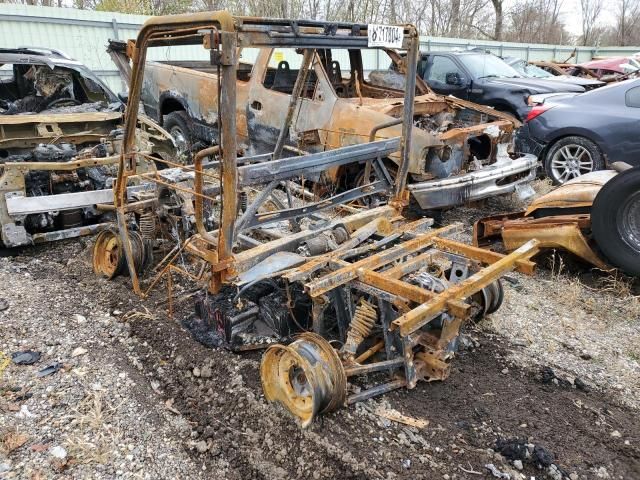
(280, 205)
(387, 315)
(410, 372)
(127, 164)
(407, 118)
(290, 167)
(347, 273)
(374, 367)
(423, 314)
(227, 133)
(247, 259)
(364, 356)
(410, 292)
(160, 274)
(183, 272)
(199, 209)
(300, 83)
(375, 391)
(70, 165)
(293, 101)
(186, 168)
(261, 219)
(372, 137)
(255, 205)
(410, 265)
(173, 186)
(399, 232)
(482, 255)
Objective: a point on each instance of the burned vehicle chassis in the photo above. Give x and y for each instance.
(384, 288)
(60, 142)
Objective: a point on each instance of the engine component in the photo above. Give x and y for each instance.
(306, 376)
(362, 323)
(429, 282)
(70, 218)
(324, 242)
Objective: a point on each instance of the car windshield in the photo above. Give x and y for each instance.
(531, 71)
(487, 66)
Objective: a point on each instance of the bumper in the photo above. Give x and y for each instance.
(525, 143)
(500, 178)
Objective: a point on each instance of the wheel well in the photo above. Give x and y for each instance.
(170, 105)
(506, 108)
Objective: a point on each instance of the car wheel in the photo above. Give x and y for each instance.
(178, 124)
(615, 221)
(571, 157)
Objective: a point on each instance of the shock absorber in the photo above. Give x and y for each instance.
(147, 225)
(362, 323)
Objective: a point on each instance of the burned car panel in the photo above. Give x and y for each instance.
(60, 130)
(338, 108)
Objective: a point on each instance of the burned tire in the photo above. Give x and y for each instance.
(178, 124)
(615, 221)
(571, 157)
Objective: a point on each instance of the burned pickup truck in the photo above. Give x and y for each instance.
(60, 136)
(460, 152)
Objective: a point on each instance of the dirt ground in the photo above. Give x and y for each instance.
(548, 387)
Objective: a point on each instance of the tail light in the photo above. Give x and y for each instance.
(536, 111)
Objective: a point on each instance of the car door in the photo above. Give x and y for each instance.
(445, 76)
(270, 95)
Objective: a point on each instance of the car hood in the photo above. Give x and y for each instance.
(535, 85)
(583, 82)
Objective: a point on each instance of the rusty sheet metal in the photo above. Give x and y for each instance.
(578, 192)
(553, 232)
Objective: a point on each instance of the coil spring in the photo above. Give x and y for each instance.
(362, 323)
(147, 225)
(244, 201)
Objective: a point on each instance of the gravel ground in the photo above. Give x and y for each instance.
(547, 388)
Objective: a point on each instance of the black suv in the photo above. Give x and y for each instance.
(486, 79)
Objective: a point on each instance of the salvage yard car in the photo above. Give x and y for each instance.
(461, 151)
(61, 134)
(528, 69)
(485, 78)
(577, 134)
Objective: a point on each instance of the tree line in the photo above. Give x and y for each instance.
(612, 22)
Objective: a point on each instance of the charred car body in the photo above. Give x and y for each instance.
(461, 151)
(60, 133)
(243, 228)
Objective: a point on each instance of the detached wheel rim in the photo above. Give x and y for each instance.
(628, 221)
(571, 161)
(108, 256)
(306, 377)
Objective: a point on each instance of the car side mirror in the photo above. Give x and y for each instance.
(124, 97)
(453, 78)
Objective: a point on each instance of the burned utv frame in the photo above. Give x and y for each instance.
(274, 261)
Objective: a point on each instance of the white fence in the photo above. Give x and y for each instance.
(83, 34)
